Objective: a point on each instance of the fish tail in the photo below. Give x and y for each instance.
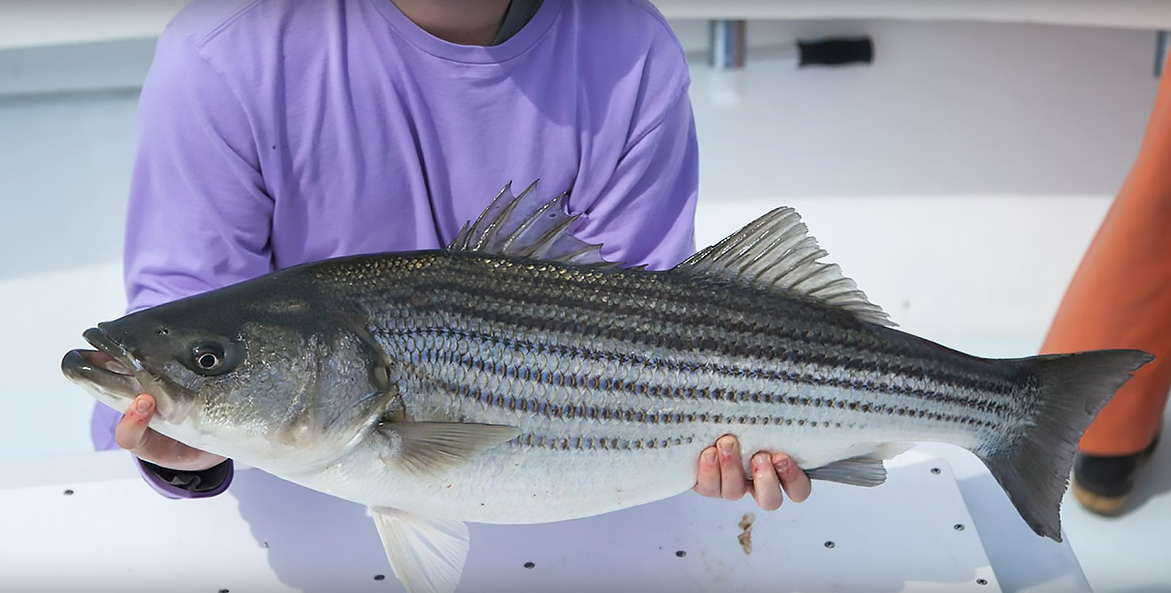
(1033, 465)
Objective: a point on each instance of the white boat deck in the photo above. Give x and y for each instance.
(893, 532)
(975, 162)
(269, 535)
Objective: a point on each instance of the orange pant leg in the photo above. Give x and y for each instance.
(1120, 296)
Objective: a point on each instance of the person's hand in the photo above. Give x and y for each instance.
(721, 475)
(134, 434)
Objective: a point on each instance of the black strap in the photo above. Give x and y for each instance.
(200, 481)
(520, 12)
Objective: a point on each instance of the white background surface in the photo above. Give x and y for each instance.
(958, 179)
(270, 535)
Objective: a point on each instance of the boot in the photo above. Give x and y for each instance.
(1102, 483)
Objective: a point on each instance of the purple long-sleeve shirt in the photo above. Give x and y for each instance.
(272, 133)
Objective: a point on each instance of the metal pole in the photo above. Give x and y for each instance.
(1161, 46)
(728, 41)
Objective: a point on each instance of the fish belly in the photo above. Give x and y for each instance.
(517, 483)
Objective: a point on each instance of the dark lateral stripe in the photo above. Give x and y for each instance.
(519, 372)
(597, 443)
(634, 295)
(525, 286)
(579, 411)
(669, 309)
(515, 307)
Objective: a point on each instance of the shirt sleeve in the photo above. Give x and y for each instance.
(199, 214)
(644, 212)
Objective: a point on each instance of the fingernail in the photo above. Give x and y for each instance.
(143, 406)
(782, 466)
(709, 455)
(759, 462)
(725, 444)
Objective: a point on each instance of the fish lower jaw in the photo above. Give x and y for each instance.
(105, 378)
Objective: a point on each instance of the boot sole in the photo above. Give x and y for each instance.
(1108, 506)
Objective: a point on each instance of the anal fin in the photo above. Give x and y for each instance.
(855, 471)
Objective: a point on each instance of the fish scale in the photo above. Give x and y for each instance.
(519, 377)
(629, 371)
(817, 346)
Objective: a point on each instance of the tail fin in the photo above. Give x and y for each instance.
(1033, 465)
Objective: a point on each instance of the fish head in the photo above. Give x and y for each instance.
(272, 381)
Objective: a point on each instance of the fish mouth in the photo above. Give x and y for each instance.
(110, 371)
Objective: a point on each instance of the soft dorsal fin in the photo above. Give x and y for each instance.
(776, 252)
(526, 226)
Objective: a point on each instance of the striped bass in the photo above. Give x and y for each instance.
(518, 377)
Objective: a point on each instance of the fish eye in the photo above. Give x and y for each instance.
(208, 357)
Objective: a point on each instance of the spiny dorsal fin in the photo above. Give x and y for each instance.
(526, 226)
(776, 252)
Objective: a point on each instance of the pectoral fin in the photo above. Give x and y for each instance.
(431, 447)
(427, 555)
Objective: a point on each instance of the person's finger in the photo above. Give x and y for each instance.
(131, 432)
(708, 481)
(134, 434)
(733, 484)
(793, 480)
(766, 486)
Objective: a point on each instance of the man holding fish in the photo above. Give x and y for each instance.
(279, 133)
